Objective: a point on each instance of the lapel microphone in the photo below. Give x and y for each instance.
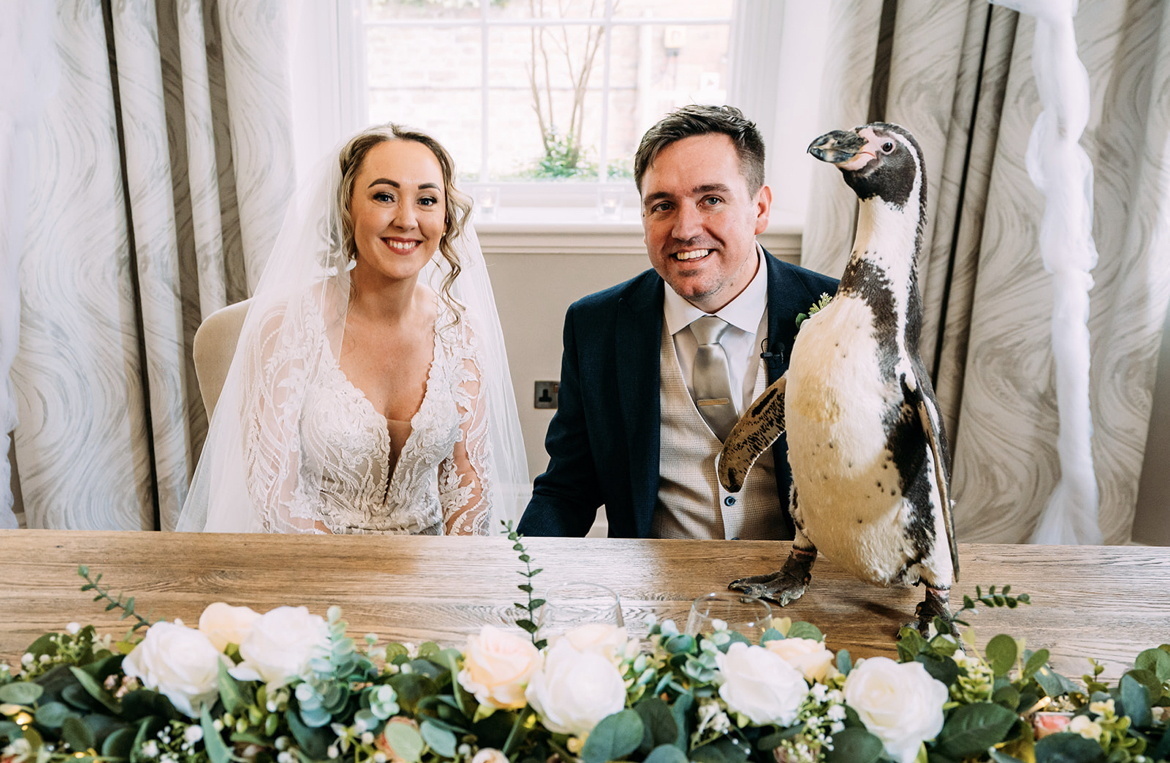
(773, 359)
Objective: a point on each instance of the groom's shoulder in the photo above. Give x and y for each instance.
(640, 287)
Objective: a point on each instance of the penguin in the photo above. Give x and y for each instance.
(870, 467)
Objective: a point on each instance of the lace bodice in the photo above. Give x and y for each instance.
(346, 480)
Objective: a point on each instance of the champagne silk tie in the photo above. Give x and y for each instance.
(711, 377)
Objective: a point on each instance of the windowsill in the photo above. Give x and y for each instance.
(559, 230)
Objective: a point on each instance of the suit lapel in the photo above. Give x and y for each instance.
(784, 301)
(637, 338)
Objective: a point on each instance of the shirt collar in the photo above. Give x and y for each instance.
(744, 312)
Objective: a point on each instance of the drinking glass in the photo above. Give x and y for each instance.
(731, 611)
(568, 605)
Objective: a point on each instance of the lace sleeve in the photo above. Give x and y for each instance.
(278, 363)
(465, 479)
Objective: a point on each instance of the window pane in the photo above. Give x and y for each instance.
(384, 10)
(437, 93)
(673, 9)
(544, 103)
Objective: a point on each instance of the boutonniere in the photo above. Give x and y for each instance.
(813, 309)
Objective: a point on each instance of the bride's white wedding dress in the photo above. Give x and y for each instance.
(351, 476)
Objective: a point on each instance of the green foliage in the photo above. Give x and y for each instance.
(372, 703)
(528, 622)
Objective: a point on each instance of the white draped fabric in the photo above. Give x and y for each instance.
(960, 76)
(158, 177)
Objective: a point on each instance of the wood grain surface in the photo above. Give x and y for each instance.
(1104, 602)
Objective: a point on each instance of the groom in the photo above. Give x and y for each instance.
(649, 385)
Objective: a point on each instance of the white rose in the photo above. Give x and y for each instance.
(760, 684)
(497, 666)
(808, 656)
(573, 690)
(225, 624)
(280, 646)
(899, 703)
(489, 755)
(605, 639)
(178, 662)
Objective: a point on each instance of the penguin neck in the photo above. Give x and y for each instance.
(883, 268)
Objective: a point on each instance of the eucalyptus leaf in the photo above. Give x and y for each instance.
(659, 726)
(438, 738)
(1135, 700)
(52, 714)
(1002, 652)
(1068, 748)
(411, 688)
(1007, 696)
(972, 729)
(20, 693)
(1054, 684)
(942, 669)
(406, 742)
(314, 741)
(802, 629)
(77, 735)
(681, 711)
(666, 753)
(722, 750)
(615, 737)
(854, 745)
(1156, 661)
(9, 730)
(1034, 662)
(213, 743)
(231, 691)
(119, 743)
(844, 662)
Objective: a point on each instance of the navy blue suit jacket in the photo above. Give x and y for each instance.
(603, 441)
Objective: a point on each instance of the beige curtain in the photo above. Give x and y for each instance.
(959, 75)
(160, 171)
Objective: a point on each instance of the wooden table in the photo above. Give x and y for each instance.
(1103, 602)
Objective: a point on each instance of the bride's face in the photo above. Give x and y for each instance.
(398, 210)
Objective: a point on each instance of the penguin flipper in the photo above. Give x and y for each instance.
(754, 433)
(920, 393)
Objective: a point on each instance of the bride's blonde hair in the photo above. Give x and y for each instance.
(458, 204)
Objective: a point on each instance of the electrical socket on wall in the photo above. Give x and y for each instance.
(546, 394)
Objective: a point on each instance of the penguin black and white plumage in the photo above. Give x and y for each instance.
(870, 468)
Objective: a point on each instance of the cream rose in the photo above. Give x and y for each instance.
(280, 645)
(600, 638)
(899, 703)
(178, 662)
(489, 755)
(497, 666)
(225, 624)
(573, 689)
(806, 655)
(760, 684)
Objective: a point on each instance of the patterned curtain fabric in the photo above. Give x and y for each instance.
(143, 218)
(959, 75)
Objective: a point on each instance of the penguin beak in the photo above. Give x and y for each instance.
(837, 147)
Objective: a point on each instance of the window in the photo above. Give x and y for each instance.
(543, 102)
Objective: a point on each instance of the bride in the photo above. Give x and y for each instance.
(369, 391)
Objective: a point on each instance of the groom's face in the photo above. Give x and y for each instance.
(701, 220)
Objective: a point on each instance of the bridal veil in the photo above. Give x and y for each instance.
(292, 337)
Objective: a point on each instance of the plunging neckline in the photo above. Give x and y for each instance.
(392, 473)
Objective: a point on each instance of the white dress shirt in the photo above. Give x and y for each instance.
(747, 315)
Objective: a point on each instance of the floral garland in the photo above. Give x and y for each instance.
(288, 686)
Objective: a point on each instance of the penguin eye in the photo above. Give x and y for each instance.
(888, 147)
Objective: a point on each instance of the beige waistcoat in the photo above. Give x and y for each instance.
(691, 502)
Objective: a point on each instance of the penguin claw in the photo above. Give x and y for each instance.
(780, 587)
(934, 615)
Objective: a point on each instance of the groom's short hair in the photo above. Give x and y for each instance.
(693, 120)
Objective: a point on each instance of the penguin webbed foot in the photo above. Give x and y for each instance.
(782, 587)
(934, 612)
